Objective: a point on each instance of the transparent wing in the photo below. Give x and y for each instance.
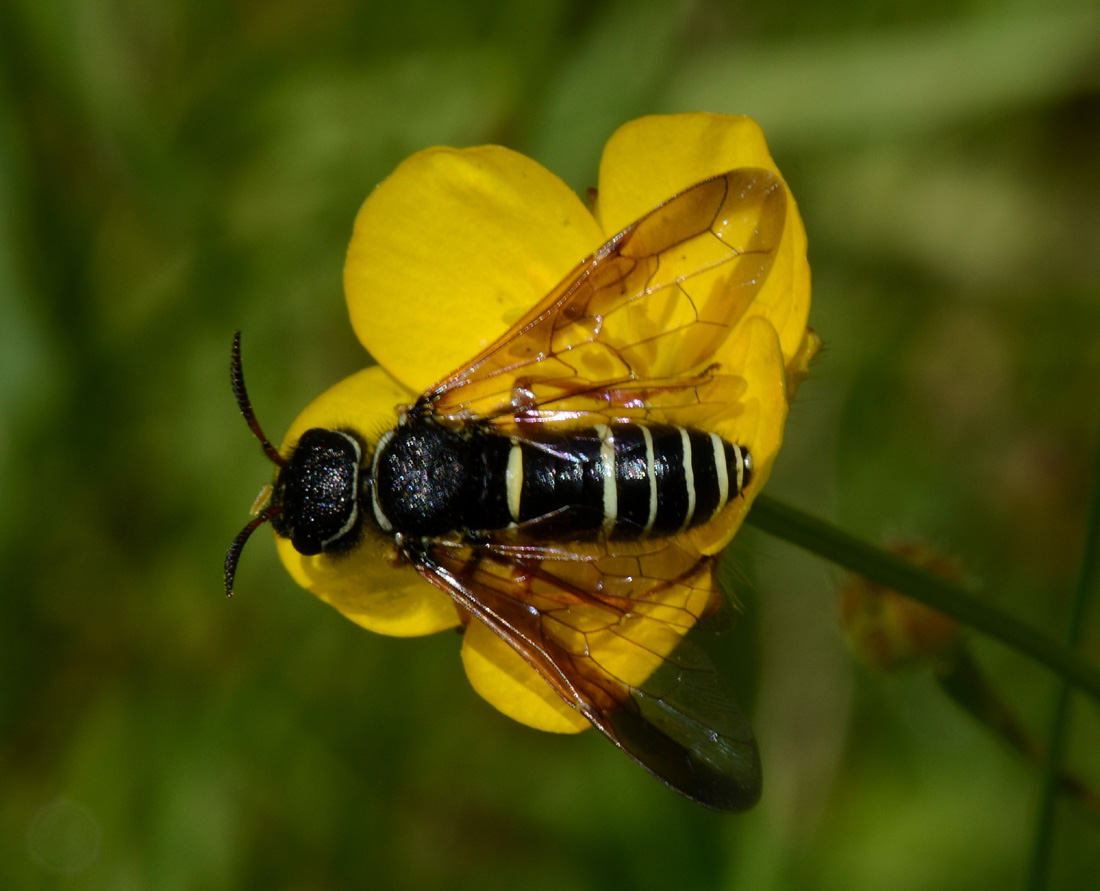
(605, 630)
(632, 332)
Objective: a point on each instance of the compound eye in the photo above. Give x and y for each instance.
(318, 491)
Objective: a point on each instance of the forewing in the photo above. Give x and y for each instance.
(606, 631)
(631, 332)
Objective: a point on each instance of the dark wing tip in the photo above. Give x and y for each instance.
(718, 771)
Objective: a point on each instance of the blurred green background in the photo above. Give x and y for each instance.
(171, 171)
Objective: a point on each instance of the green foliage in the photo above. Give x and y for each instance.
(172, 171)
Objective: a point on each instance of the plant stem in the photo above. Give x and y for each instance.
(837, 546)
(1086, 579)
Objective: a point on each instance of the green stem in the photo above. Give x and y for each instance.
(960, 678)
(1086, 579)
(837, 546)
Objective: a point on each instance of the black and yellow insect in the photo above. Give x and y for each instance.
(558, 484)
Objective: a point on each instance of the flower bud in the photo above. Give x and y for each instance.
(891, 632)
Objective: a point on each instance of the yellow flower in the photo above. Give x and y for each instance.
(447, 254)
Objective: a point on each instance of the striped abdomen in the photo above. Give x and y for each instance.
(622, 481)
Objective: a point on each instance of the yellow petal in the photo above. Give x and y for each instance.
(361, 584)
(451, 249)
(755, 421)
(649, 160)
(784, 298)
(501, 677)
(637, 644)
(799, 365)
(629, 648)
